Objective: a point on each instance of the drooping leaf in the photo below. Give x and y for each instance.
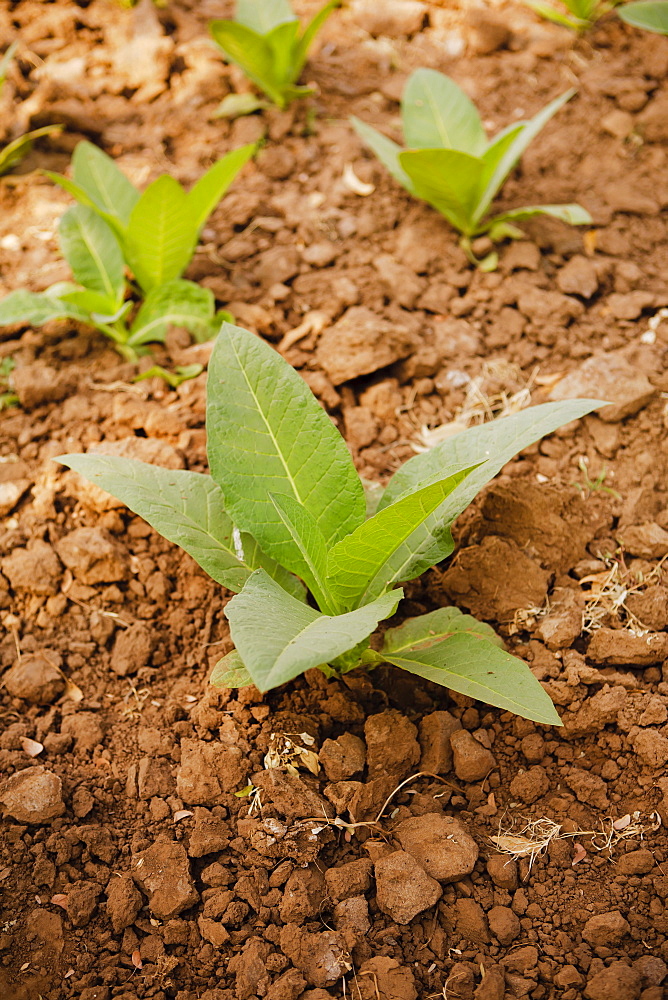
(278, 638)
(447, 179)
(210, 188)
(575, 215)
(251, 52)
(91, 249)
(386, 150)
(230, 672)
(503, 153)
(175, 303)
(105, 184)
(436, 113)
(267, 434)
(14, 151)
(382, 550)
(308, 556)
(187, 508)
(31, 308)
(652, 15)
(493, 444)
(263, 16)
(457, 652)
(161, 234)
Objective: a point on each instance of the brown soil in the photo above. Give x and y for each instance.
(130, 867)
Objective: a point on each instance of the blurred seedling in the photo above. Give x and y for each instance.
(578, 15)
(597, 485)
(14, 151)
(181, 374)
(7, 397)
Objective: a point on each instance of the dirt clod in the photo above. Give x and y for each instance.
(162, 871)
(472, 761)
(35, 678)
(34, 795)
(403, 888)
(440, 844)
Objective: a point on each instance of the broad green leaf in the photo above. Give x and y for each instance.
(83, 198)
(372, 495)
(161, 235)
(312, 30)
(176, 303)
(210, 188)
(263, 15)
(575, 215)
(14, 151)
(551, 14)
(447, 179)
(308, 556)
(94, 305)
(386, 150)
(187, 508)
(437, 114)
(283, 41)
(230, 672)
(647, 14)
(267, 434)
(31, 308)
(383, 549)
(106, 185)
(278, 638)
(251, 52)
(493, 444)
(503, 155)
(457, 652)
(91, 249)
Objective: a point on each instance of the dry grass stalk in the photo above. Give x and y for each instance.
(608, 592)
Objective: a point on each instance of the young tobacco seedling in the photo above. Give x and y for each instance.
(266, 41)
(451, 164)
(652, 15)
(14, 151)
(582, 14)
(284, 509)
(115, 228)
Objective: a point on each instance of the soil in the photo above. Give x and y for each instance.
(131, 866)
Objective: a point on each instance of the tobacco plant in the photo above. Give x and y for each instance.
(450, 163)
(652, 15)
(14, 151)
(580, 15)
(283, 516)
(114, 229)
(267, 42)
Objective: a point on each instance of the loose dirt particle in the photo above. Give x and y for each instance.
(435, 732)
(472, 762)
(163, 872)
(36, 569)
(504, 924)
(35, 678)
(343, 757)
(123, 902)
(392, 747)
(605, 929)
(440, 844)
(132, 649)
(34, 795)
(207, 770)
(618, 980)
(403, 888)
(94, 556)
(352, 879)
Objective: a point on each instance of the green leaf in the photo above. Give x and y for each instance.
(230, 672)
(308, 556)
(263, 15)
(383, 549)
(278, 638)
(251, 52)
(210, 188)
(575, 215)
(454, 650)
(492, 444)
(283, 41)
(373, 492)
(108, 188)
(5, 61)
(647, 14)
(312, 30)
(91, 249)
(386, 150)
(161, 234)
(31, 308)
(551, 14)
(437, 114)
(267, 434)
(187, 508)
(447, 179)
(14, 151)
(238, 105)
(176, 303)
(505, 150)
(94, 305)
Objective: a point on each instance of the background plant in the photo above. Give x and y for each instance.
(284, 509)
(652, 15)
(14, 151)
(266, 41)
(115, 228)
(451, 164)
(580, 16)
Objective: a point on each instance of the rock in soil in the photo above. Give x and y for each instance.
(94, 556)
(606, 929)
(123, 902)
(352, 879)
(360, 343)
(610, 647)
(383, 978)
(132, 649)
(36, 569)
(472, 761)
(162, 871)
(207, 770)
(435, 732)
(618, 980)
(403, 888)
(391, 745)
(608, 377)
(321, 957)
(440, 844)
(35, 678)
(343, 757)
(34, 795)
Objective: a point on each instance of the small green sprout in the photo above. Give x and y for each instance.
(283, 513)
(589, 485)
(266, 41)
(7, 397)
(450, 163)
(652, 15)
(14, 151)
(114, 229)
(181, 374)
(581, 14)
